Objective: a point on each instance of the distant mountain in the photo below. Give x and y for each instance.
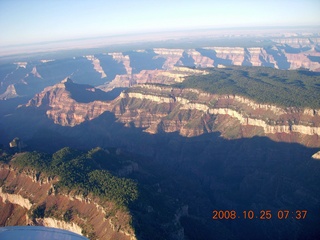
(194, 140)
(117, 68)
(191, 152)
(193, 112)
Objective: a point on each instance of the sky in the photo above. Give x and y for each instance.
(24, 22)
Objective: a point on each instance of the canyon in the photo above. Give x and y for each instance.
(190, 112)
(116, 69)
(23, 192)
(190, 148)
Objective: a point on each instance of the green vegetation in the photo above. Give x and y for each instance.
(67, 216)
(5, 156)
(51, 211)
(105, 184)
(38, 212)
(297, 88)
(36, 160)
(82, 171)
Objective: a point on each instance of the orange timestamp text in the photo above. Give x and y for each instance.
(262, 214)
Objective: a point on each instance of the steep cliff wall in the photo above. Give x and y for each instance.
(281, 53)
(22, 192)
(200, 60)
(63, 109)
(192, 112)
(176, 74)
(96, 65)
(278, 56)
(118, 56)
(172, 56)
(284, 54)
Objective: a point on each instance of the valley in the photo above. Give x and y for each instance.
(123, 69)
(125, 144)
(192, 112)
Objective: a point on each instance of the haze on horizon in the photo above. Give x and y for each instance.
(31, 22)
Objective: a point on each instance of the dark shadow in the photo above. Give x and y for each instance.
(264, 63)
(146, 60)
(247, 58)
(213, 55)
(83, 93)
(80, 69)
(110, 66)
(186, 60)
(297, 83)
(5, 70)
(309, 73)
(279, 57)
(34, 85)
(314, 58)
(24, 82)
(289, 49)
(204, 173)
(53, 72)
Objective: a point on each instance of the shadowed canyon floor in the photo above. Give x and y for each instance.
(194, 140)
(182, 180)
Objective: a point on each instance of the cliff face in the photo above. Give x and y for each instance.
(175, 75)
(96, 65)
(290, 54)
(63, 109)
(187, 111)
(125, 60)
(192, 112)
(21, 193)
(280, 57)
(128, 68)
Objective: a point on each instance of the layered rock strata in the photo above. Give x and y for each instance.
(176, 75)
(188, 111)
(192, 112)
(23, 191)
(58, 104)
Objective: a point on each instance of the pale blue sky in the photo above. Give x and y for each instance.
(23, 21)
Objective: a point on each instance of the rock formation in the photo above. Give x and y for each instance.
(190, 112)
(118, 56)
(176, 75)
(21, 192)
(96, 65)
(64, 110)
(281, 53)
(316, 155)
(9, 93)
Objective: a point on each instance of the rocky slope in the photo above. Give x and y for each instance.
(23, 193)
(187, 111)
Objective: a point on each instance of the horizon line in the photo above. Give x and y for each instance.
(150, 33)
